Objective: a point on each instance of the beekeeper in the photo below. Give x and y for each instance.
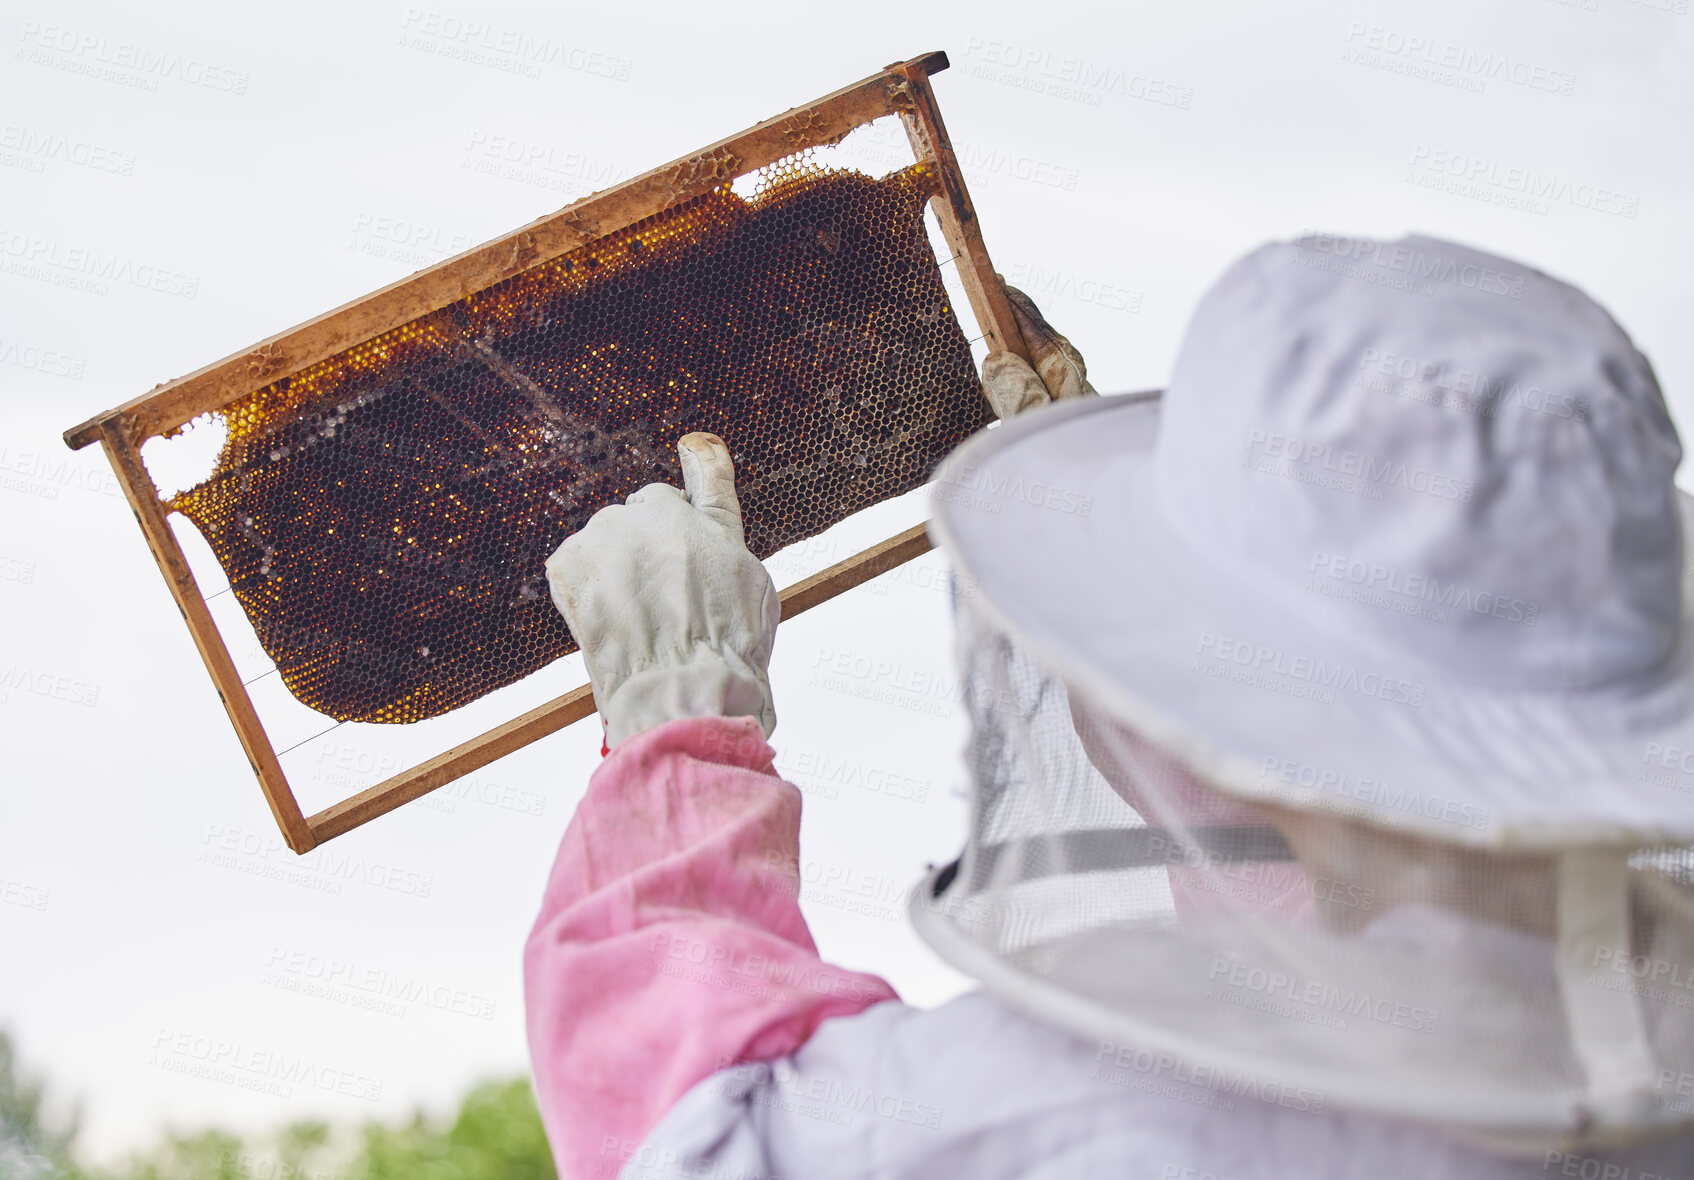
(1332, 760)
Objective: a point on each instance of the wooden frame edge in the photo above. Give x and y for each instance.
(143, 499)
(957, 215)
(214, 386)
(901, 89)
(477, 752)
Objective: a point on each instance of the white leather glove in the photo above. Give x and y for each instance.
(674, 616)
(1011, 385)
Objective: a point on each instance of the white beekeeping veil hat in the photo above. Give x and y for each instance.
(1333, 734)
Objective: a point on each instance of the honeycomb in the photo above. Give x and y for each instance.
(383, 516)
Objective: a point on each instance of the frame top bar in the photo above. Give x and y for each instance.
(175, 403)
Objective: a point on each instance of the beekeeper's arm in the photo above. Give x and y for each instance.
(670, 942)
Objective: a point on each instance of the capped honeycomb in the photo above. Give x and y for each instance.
(384, 516)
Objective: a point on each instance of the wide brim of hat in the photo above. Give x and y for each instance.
(1051, 520)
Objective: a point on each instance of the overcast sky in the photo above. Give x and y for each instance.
(237, 169)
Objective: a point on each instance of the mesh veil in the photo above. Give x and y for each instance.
(1288, 954)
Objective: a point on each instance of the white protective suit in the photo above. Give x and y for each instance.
(1513, 954)
(976, 1088)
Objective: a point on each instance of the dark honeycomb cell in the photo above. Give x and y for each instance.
(383, 516)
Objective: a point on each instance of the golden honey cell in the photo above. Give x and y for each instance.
(384, 516)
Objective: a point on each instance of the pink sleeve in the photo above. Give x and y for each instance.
(670, 942)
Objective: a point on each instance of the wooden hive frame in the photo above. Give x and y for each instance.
(901, 89)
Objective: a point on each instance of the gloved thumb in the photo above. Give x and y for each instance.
(1061, 366)
(1010, 385)
(708, 477)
